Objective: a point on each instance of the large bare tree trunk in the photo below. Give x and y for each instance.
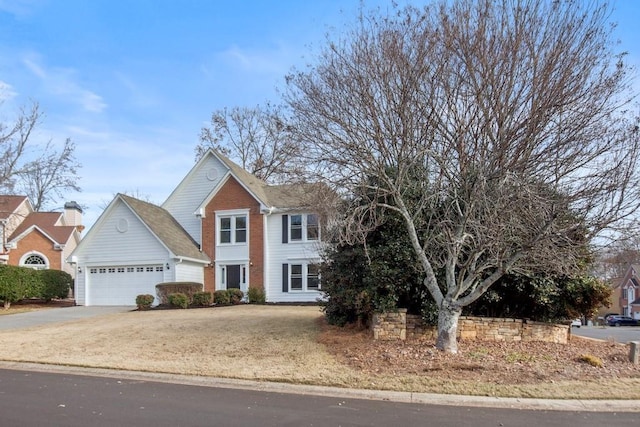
(448, 316)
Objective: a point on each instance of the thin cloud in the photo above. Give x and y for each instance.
(6, 91)
(19, 8)
(273, 61)
(62, 82)
(138, 96)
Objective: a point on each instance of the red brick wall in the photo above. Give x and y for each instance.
(36, 241)
(233, 196)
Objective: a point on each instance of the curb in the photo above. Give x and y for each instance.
(337, 392)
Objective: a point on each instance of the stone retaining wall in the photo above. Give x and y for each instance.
(402, 326)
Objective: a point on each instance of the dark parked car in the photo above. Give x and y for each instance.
(621, 321)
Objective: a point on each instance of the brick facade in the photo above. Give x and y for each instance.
(232, 196)
(37, 242)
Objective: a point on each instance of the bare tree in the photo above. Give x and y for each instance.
(498, 130)
(48, 177)
(14, 141)
(614, 261)
(259, 138)
(43, 178)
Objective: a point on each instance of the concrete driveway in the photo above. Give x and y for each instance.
(56, 315)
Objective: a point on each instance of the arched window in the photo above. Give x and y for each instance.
(35, 261)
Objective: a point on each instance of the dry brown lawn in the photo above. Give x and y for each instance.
(292, 344)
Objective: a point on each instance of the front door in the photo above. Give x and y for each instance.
(233, 276)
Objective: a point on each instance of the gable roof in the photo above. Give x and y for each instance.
(9, 204)
(284, 196)
(46, 223)
(252, 183)
(165, 228)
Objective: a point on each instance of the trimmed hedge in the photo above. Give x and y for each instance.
(178, 299)
(55, 284)
(18, 283)
(256, 295)
(202, 299)
(221, 297)
(235, 295)
(163, 290)
(144, 301)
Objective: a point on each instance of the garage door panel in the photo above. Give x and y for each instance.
(119, 285)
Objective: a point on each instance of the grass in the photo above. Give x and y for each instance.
(251, 342)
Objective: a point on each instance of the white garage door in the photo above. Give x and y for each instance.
(119, 285)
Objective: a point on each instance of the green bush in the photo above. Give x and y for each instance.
(18, 283)
(54, 284)
(235, 295)
(221, 297)
(144, 301)
(256, 295)
(202, 299)
(163, 290)
(178, 299)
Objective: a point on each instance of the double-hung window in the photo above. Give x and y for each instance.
(300, 277)
(300, 228)
(232, 229)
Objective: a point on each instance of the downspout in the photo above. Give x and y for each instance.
(3, 222)
(266, 270)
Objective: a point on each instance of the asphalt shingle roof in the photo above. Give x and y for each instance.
(287, 196)
(166, 228)
(46, 221)
(8, 204)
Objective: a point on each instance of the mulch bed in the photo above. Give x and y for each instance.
(495, 362)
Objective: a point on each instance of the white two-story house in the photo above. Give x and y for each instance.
(221, 227)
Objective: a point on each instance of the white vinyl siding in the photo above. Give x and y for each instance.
(278, 253)
(120, 241)
(108, 245)
(189, 272)
(79, 289)
(192, 191)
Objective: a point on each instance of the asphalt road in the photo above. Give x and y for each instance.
(36, 399)
(622, 334)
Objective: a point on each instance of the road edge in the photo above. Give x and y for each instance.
(579, 405)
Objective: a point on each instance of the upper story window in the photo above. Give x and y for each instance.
(232, 229)
(300, 228)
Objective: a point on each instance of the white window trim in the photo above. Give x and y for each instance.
(44, 266)
(232, 214)
(305, 277)
(221, 274)
(304, 231)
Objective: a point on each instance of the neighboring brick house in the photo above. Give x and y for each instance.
(236, 231)
(42, 240)
(629, 300)
(613, 304)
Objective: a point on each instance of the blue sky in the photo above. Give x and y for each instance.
(132, 82)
